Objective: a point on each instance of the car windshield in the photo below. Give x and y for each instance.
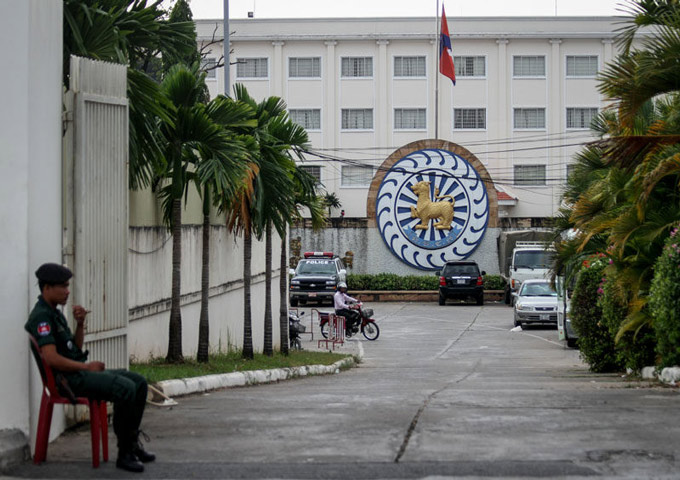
(468, 270)
(537, 290)
(533, 259)
(316, 267)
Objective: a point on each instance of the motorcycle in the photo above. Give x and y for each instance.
(366, 323)
(295, 328)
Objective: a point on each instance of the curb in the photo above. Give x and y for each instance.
(668, 375)
(187, 386)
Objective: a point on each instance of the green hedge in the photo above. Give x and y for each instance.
(494, 282)
(392, 281)
(664, 302)
(634, 350)
(595, 342)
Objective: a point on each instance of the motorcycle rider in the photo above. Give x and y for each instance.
(345, 309)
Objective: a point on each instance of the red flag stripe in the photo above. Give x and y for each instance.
(446, 67)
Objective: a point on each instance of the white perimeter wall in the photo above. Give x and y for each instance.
(30, 166)
(149, 276)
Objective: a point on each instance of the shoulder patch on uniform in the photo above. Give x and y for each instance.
(44, 329)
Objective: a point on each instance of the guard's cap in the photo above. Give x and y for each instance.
(53, 273)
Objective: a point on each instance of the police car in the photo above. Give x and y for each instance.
(316, 278)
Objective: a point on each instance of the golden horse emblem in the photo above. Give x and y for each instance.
(427, 210)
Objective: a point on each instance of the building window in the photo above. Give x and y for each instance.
(208, 66)
(470, 66)
(305, 67)
(529, 118)
(356, 176)
(307, 118)
(409, 66)
(582, 65)
(469, 118)
(571, 168)
(357, 118)
(580, 117)
(251, 68)
(528, 66)
(409, 119)
(313, 170)
(529, 174)
(357, 66)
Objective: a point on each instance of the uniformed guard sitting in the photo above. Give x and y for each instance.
(63, 352)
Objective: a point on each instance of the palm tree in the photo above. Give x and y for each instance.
(283, 137)
(642, 80)
(271, 197)
(305, 196)
(218, 178)
(130, 32)
(191, 134)
(633, 204)
(244, 209)
(331, 200)
(641, 74)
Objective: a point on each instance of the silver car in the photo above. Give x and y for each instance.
(535, 302)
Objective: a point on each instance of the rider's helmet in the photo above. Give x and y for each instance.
(342, 285)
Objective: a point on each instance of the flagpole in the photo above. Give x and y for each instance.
(436, 75)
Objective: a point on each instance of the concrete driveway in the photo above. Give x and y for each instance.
(444, 392)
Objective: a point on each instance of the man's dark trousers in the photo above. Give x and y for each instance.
(351, 317)
(127, 390)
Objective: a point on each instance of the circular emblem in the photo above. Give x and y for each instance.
(69, 345)
(431, 208)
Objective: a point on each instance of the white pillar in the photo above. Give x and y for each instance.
(503, 92)
(330, 114)
(432, 120)
(278, 69)
(382, 114)
(608, 44)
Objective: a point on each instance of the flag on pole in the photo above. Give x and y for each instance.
(446, 67)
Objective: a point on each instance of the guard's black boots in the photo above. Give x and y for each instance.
(129, 461)
(142, 454)
(138, 448)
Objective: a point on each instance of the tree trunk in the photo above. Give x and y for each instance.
(175, 330)
(283, 292)
(204, 320)
(247, 320)
(268, 327)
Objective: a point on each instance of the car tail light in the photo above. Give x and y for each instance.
(442, 281)
(512, 284)
(480, 281)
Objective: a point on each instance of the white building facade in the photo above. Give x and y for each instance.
(526, 91)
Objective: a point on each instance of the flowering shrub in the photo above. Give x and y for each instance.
(634, 350)
(664, 301)
(595, 342)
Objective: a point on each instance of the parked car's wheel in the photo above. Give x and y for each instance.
(293, 302)
(518, 323)
(442, 299)
(507, 296)
(571, 341)
(480, 299)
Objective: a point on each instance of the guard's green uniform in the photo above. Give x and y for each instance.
(127, 390)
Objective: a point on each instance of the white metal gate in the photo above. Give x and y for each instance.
(96, 203)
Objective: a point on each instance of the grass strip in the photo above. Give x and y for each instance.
(157, 370)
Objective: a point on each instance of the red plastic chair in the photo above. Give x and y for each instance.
(99, 428)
